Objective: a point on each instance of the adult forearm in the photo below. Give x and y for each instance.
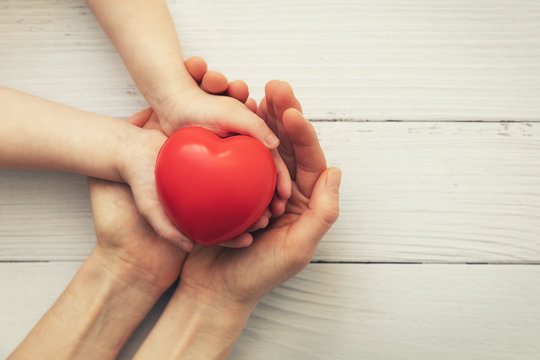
(196, 325)
(146, 39)
(41, 134)
(94, 316)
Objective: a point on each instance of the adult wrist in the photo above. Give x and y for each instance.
(197, 323)
(94, 316)
(124, 274)
(210, 303)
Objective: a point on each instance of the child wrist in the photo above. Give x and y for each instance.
(161, 93)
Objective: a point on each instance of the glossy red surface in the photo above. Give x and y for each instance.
(212, 188)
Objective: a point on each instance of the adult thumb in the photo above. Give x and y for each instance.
(323, 209)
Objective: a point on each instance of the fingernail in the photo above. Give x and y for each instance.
(272, 141)
(333, 180)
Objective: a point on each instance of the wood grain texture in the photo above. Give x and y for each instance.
(44, 216)
(412, 192)
(354, 60)
(433, 192)
(338, 311)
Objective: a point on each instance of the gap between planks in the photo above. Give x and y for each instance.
(316, 262)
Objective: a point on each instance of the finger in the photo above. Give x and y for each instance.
(243, 121)
(282, 99)
(239, 90)
(141, 118)
(283, 186)
(153, 123)
(269, 90)
(196, 67)
(151, 209)
(214, 82)
(283, 181)
(251, 105)
(262, 111)
(322, 212)
(240, 241)
(262, 222)
(310, 160)
(278, 206)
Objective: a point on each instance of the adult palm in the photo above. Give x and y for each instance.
(286, 245)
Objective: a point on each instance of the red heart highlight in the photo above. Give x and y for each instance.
(214, 188)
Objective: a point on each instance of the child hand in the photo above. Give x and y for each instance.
(224, 115)
(136, 157)
(144, 186)
(139, 161)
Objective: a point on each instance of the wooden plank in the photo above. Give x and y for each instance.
(437, 192)
(28, 291)
(44, 215)
(363, 60)
(339, 311)
(412, 192)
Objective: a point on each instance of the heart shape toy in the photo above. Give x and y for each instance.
(214, 188)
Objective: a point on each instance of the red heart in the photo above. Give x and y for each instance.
(212, 188)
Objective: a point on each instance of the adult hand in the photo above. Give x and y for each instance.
(124, 235)
(287, 245)
(219, 287)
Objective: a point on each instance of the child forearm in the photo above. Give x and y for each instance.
(145, 37)
(40, 134)
(94, 316)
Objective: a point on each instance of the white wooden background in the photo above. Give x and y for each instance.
(430, 108)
